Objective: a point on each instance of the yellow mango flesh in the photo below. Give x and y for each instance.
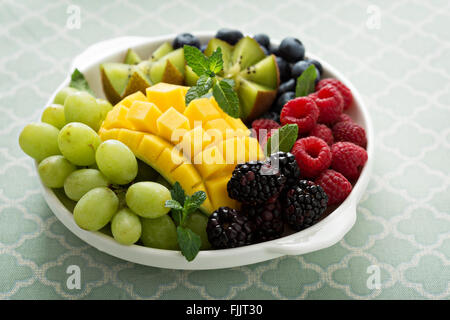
(166, 95)
(198, 145)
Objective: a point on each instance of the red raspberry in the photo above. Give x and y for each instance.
(323, 132)
(348, 159)
(265, 125)
(345, 117)
(330, 104)
(302, 111)
(335, 185)
(313, 155)
(343, 89)
(351, 132)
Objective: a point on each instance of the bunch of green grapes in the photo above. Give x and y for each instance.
(105, 179)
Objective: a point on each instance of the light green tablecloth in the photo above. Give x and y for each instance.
(396, 53)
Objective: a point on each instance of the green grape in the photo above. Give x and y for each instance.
(79, 182)
(126, 227)
(197, 222)
(63, 94)
(78, 143)
(54, 170)
(82, 107)
(145, 172)
(116, 161)
(105, 106)
(96, 209)
(54, 115)
(39, 140)
(160, 233)
(148, 199)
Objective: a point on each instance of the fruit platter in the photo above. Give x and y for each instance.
(203, 150)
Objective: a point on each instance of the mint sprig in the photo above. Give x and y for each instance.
(182, 206)
(282, 139)
(306, 82)
(79, 82)
(207, 69)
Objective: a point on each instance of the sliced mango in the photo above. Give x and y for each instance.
(198, 146)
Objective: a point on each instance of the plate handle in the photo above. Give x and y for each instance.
(103, 48)
(318, 236)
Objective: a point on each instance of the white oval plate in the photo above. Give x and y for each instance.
(325, 233)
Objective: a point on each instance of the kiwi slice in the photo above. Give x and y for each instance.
(135, 74)
(256, 75)
(170, 68)
(132, 57)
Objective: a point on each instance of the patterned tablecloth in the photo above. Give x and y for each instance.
(397, 53)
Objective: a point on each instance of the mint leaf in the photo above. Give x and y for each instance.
(230, 82)
(173, 204)
(177, 193)
(189, 242)
(196, 60)
(204, 84)
(79, 82)
(227, 98)
(306, 82)
(193, 203)
(282, 139)
(215, 61)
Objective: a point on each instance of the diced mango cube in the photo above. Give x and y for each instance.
(239, 127)
(151, 147)
(131, 138)
(254, 150)
(218, 188)
(137, 96)
(172, 125)
(186, 175)
(210, 162)
(143, 116)
(200, 111)
(221, 125)
(108, 134)
(169, 159)
(166, 95)
(194, 141)
(233, 150)
(117, 118)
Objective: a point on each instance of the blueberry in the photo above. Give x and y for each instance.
(287, 86)
(185, 38)
(282, 100)
(283, 67)
(273, 49)
(229, 35)
(262, 39)
(299, 67)
(317, 64)
(266, 52)
(291, 49)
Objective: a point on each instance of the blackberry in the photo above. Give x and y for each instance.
(304, 204)
(288, 167)
(227, 228)
(267, 219)
(255, 182)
